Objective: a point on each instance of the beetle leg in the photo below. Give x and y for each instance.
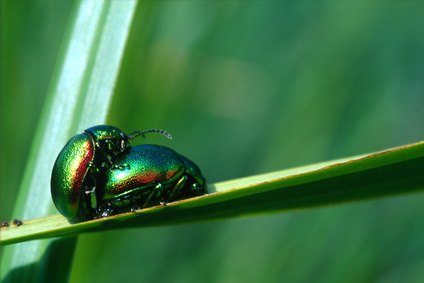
(107, 163)
(135, 208)
(92, 166)
(180, 185)
(93, 198)
(196, 188)
(157, 189)
(90, 189)
(105, 211)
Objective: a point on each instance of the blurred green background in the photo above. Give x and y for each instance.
(245, 88)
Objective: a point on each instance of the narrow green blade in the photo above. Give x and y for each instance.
(390, 172)
(79, 97)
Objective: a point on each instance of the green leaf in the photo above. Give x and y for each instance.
(79, 97)
(394, 171)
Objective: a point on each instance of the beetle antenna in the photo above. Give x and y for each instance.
(142, 133)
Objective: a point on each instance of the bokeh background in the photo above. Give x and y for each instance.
(245, 87)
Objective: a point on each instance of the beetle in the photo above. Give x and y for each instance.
(98, 174)
(148, 175)
(75, 170)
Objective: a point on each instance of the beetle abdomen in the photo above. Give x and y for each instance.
(144, 166)
(69, 173)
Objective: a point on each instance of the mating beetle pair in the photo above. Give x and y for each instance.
(98, 173)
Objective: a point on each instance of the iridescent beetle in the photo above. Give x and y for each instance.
(148, 175)
(80, 184)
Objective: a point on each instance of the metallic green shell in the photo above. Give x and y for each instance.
(142, 169)
(144, 166)
(69, 173)
(102, 132)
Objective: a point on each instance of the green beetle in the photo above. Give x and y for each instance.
(148, 175)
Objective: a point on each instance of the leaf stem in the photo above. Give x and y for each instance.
(390, 172)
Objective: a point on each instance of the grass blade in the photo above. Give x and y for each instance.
(79, 97)
(390, 172)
